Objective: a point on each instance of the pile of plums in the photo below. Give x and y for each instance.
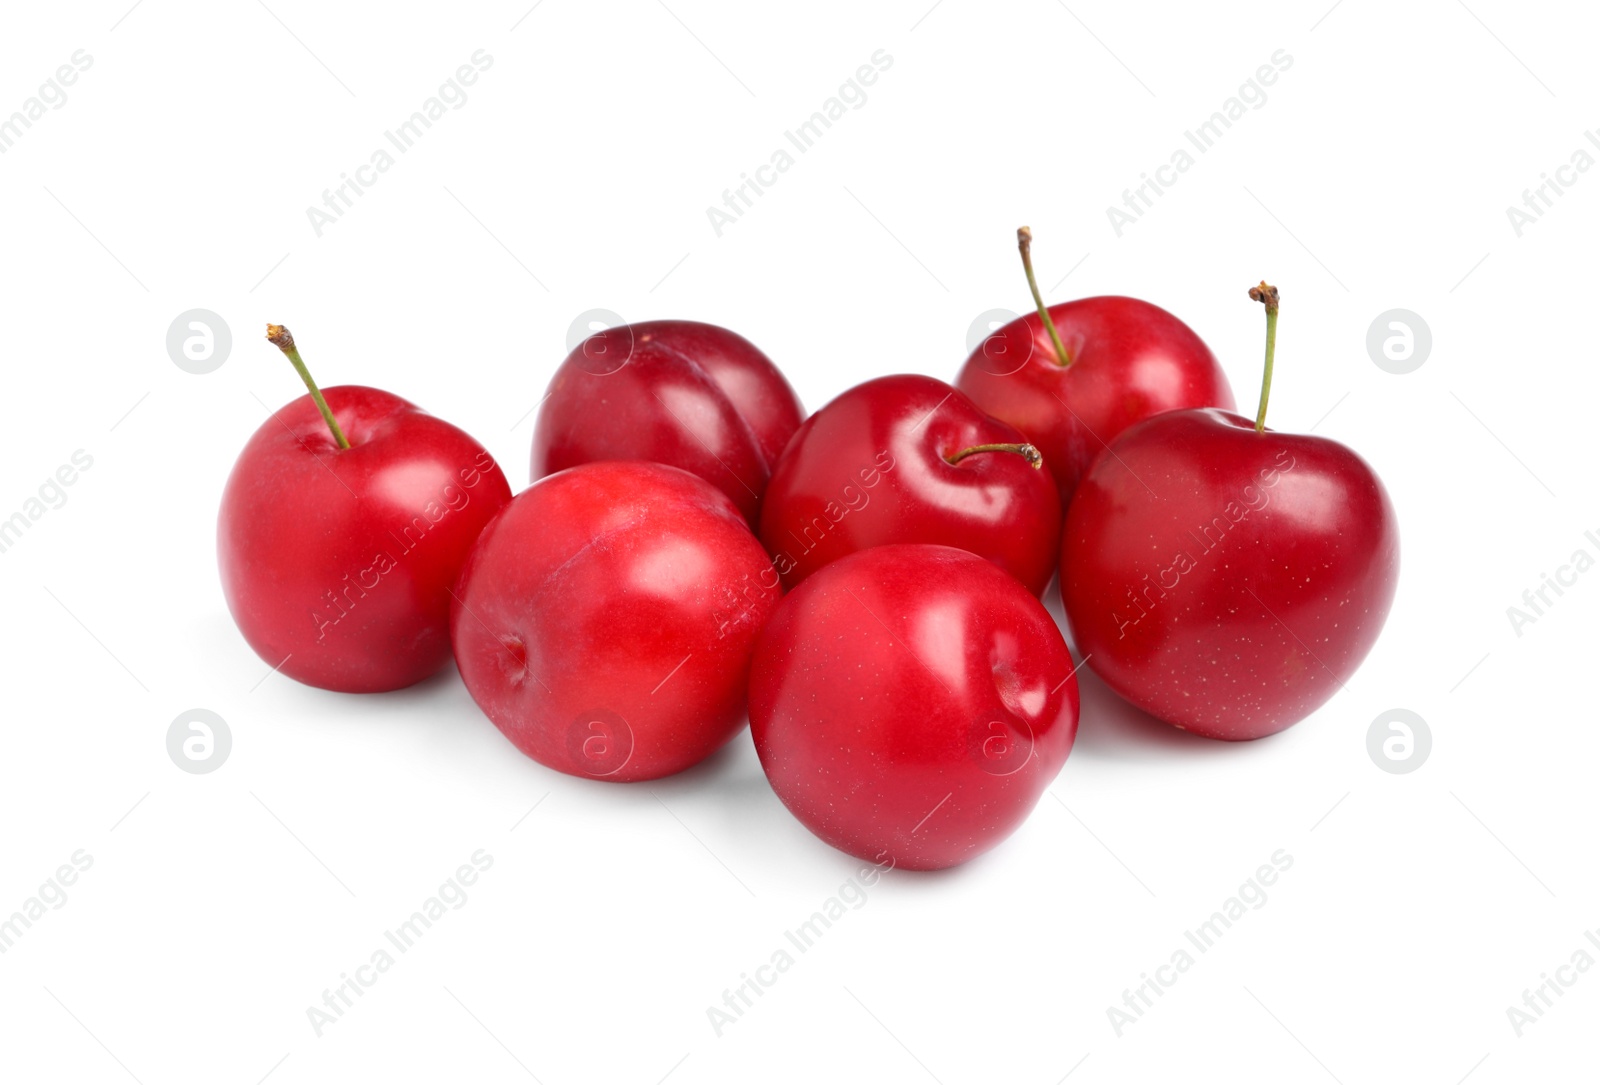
(863, 583)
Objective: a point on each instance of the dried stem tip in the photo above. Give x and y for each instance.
(1266, 295)
(280, 337)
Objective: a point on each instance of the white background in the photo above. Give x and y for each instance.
(219, 907)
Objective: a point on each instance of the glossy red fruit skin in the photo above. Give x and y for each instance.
(677, 392)
(605, 620)
(1130, 360)
(870, 469)
(1271, 558)
(337, 563)
(912, 703)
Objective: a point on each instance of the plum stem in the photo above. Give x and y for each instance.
(1267, 296)
(1025, 247)
(280, 337)
(1034, 457)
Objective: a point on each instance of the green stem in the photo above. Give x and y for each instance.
(1034, 457)
(1267, 296)
(280, 337)
(1025, 246)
